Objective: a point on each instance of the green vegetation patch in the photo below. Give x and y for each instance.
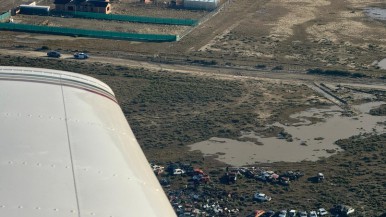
(380, 111)
(340, 73)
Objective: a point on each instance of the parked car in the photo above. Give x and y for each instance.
(284, 181)
(342, 210)
(231, 177)
(261, 197)
(292, 175)
(258, 213)
(157, 169)
(165, 182)
(283, 213)
(201, 178)
(348, 210)
(54, 53)
(320, 177)
(81, 56)
(249, 174)
(292, 213)
(303, 214)
(313, 214)
(178, 172)
(322, 212)
(265, 176)
(269, 213)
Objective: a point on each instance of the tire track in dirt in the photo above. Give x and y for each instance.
(225, 21)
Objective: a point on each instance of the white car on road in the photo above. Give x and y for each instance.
(81, 56)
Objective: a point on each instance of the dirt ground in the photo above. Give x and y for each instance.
(114, 26)
(295, 35)
(135, 8)
(324, 33)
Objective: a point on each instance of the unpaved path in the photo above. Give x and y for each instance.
(214, 72)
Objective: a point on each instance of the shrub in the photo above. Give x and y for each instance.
(260, 66)
(278, 68)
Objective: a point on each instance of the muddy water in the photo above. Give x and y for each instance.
(376, 13)
(382, 64)
(310, 141)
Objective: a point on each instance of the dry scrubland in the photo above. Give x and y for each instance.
(168, 110)
(322, 32)
(103, 25)
(135, 8)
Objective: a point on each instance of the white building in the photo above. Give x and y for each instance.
(201, 4)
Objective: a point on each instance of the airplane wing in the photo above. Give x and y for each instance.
(67, 150)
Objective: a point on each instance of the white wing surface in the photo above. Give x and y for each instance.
(67, 150)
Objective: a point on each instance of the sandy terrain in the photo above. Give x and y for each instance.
(295, 35)
(305, 31)
(102, 25)
(134, 8)
(298, 12)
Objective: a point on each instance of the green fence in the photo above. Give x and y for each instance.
(136, 19)
(87, 33)
(5, 15)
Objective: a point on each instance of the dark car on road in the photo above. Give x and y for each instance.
(53, 53)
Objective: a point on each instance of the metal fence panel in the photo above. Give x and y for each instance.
(88, 33)
(118, 17)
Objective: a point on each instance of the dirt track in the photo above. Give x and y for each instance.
(204, 71)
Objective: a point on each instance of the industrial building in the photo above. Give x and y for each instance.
(201, 4)
(95, 6)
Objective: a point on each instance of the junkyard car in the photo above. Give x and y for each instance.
(303, 214)
(313, 214)
(283, 213)
(322, 212)
(261, 197)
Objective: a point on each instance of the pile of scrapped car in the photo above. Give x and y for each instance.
(201, 197)
(198, 176)
(201, 202)
(338, 210)
(261, 174)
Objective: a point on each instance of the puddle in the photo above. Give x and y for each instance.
(310, 141)
(382, 64)
(376, 13)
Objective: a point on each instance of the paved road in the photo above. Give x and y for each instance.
(217, 72)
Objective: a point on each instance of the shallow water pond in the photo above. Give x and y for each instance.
(309, 141)
(376, 13)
